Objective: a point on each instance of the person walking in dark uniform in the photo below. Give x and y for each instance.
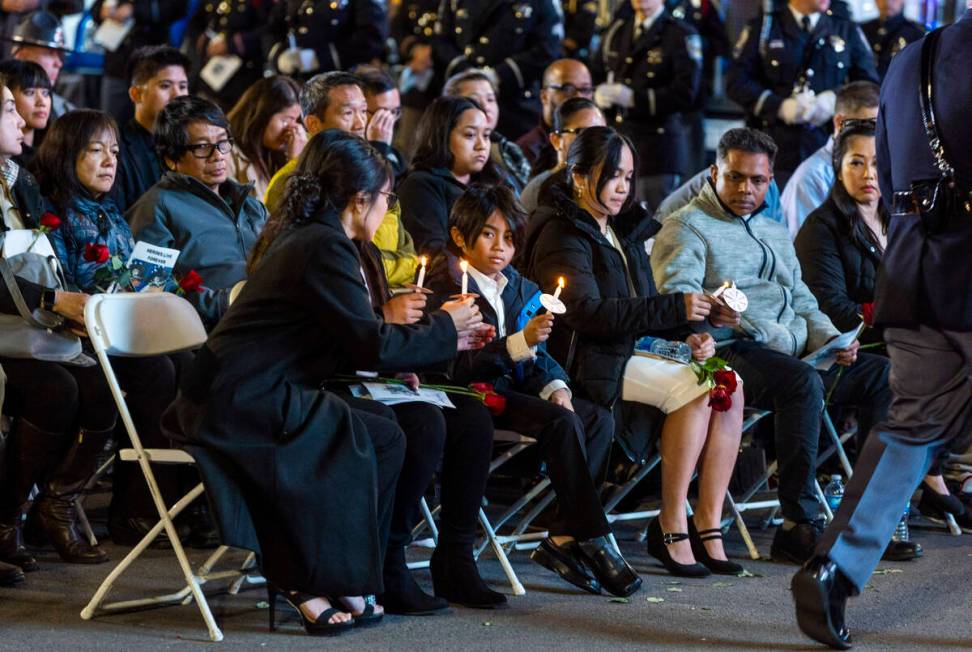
(518, 39)
(786, 67)
(922, 300)
(890, 33)
(312, 36)
(650, 67)
(580, 25)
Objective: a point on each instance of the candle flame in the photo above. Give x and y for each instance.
(463, 265)
(560, 282)
(423, 260)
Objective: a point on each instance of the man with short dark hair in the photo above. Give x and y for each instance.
(384, 110)
(156, 76)
(722, 235)
(810, 183)
(196, 208)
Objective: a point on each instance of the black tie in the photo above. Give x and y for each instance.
(805, 22)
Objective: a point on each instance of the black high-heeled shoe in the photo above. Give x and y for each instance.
(317, 627)
(698, 538)
(658, 543)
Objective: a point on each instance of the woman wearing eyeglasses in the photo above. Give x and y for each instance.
(195, 207)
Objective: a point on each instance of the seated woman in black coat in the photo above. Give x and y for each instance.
(587, 231)
(306, 463)
(453, 152)
(840, 246)
(574, 435)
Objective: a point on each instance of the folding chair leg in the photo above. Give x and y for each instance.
(427, 515)
(501, 555)
(85, 523)
(823, 501)
(743, 530)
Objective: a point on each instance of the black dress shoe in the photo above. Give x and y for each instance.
(658, 543)
(698, 538)
(796, 545)
(820, 591)
(609, 567)
(902, 551)
(567, 562)
(10, 574)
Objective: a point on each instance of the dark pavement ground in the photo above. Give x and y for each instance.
(909, 606)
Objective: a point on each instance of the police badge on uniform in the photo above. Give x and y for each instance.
(523, 10)
(655, 56)
(837, 43)
(693, 43)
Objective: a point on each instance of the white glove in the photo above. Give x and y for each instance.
(823, 108)
(613, 94)
(796, 110)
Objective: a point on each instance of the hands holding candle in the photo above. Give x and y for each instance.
(464, 266)
(552, 302)
(423, 261)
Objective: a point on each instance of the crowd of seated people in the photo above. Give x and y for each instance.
(324, 252)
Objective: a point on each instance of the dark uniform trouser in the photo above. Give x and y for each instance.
(930, 375)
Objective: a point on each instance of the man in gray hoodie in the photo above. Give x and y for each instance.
(723, 235)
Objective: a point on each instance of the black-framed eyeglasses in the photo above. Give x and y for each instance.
(853, 123)
(573, 91)
(205, 150)
(572, 130)
(392, 199)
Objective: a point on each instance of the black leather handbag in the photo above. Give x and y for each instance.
(936, 200)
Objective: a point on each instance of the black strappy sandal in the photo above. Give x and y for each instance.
(317, 627)
(367, 617)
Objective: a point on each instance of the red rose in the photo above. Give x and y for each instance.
(50, 221)
(868, 313)
(726, 378)
(482, 388)
(720, 399)
(96, 253)
(495, 403)
(191, 282)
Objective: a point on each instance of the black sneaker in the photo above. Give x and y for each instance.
(796, 545)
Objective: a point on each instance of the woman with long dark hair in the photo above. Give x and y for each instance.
(267, 131)
(589, 231)
(453, 152)
(840, 247)
(305, 461)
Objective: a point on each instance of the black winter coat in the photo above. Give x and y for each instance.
(493, 363)
(839, 265)
(304, 464)
(427, 197)
(603, 319)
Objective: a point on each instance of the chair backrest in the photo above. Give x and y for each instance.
(142, 324)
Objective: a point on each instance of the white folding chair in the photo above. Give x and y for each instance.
(142, 325)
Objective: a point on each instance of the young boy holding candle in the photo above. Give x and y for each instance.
(573, 435)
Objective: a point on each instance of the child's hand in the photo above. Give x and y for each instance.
(561, 397)
(404, 308)
(538, 329)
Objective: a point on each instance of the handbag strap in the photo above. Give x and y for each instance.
(925, 96)
(55, 321)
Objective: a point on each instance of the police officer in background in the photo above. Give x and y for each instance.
(923, 301)
(314, 36)
(649, 66)
(580, 24)
(516, 38)
(890, 33)
(227, 36)
(786, 67)
(412, 27)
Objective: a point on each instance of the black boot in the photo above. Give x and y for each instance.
(28, 461)
(456, 578)
(54, 516)
(403, 596)
(820, 591)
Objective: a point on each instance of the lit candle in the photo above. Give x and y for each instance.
(560, 286)
(464, 266)
(421, 279)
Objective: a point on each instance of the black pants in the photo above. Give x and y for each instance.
(462, 440)
(931, 377)
(574, 445)
(794, 391)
